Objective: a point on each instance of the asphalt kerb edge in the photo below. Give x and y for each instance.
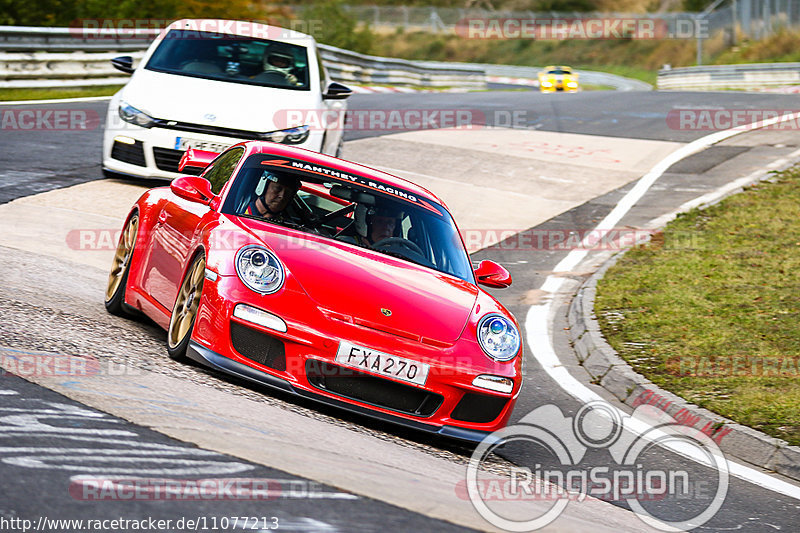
(607, 369)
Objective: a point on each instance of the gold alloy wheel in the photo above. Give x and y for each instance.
(123, 256)
(187, 303)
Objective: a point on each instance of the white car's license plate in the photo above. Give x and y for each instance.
(183, 143)
(382, 363)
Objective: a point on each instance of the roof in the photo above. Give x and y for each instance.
(244, 28)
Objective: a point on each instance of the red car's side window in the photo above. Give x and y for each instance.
(221, 170)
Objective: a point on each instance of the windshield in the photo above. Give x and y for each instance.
(232, 58)
(349, 210)
(559, 71)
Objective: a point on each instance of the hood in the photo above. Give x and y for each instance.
(196, 100)
(356, 285)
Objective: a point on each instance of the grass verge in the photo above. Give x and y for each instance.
(710, 308)
(57, 93)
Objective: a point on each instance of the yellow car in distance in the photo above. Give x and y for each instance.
(553, 79)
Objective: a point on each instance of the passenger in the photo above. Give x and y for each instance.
(374, 224)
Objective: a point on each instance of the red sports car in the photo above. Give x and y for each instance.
(326, 279)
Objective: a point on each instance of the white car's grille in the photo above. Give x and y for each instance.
(209, 130)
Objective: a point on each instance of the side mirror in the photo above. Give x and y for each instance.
(123, 63)
(491, 274)
(336, 91)
(192, 188)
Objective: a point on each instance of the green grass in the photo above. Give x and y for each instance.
(626, 71)
(710, 308)
(592, 87)
(47, 94)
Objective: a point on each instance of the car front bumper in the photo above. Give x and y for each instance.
(301, 359)
(208, 357)
(134, 151)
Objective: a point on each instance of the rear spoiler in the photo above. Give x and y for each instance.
(196, 159)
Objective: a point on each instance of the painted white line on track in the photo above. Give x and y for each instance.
(720, 193)
(56, 100)
(539, 318)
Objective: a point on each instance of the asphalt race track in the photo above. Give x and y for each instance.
(53, 445)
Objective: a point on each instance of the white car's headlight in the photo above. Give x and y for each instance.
(498, 337)
(296, 135)
(128, 113)
(259, 269)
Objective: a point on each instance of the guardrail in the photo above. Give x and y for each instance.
(67, 57)
(747, 76)
(347, 66)
(36, 39)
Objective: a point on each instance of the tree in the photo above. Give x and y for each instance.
(331, 24)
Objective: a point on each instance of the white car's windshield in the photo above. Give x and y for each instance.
(419, 231)
(232, 58)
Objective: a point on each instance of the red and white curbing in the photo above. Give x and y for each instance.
(358, 89)
(794, 89)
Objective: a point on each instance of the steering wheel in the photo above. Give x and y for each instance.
(399, 242)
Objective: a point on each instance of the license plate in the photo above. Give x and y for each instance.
(183, 143)
(382, 363)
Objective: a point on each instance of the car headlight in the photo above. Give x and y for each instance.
(572, 84)
(128, 113)
(259, 269)
(498, 337)
(290, 136)
(547, 83)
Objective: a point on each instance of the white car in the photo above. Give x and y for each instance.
(208, 84)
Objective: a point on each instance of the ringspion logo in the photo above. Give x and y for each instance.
(597, 453)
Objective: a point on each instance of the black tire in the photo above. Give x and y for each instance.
(120, 268)
(184, 312)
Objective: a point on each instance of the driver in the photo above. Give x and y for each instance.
(281, 63)
(374, 224)
(274, 193)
